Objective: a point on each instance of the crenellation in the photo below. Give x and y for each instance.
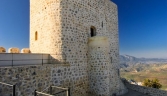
(2, 50)
(14, 50)
(25, 50)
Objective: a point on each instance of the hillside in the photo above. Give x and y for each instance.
(139, 72)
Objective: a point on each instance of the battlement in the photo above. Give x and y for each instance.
(15, 50)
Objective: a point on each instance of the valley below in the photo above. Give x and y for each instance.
(138, 71)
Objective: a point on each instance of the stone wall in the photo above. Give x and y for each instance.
(146, 90)
(29, 78)
(102, 80)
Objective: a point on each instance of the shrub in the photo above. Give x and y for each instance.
(152, 83)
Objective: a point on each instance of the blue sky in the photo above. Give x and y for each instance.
(142, 26)
(14, 23)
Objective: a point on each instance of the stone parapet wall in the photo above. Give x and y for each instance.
(146, 90)
(29, 78)
(14, 50)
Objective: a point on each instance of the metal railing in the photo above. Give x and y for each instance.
(16, 59)
(64, 90)
(36, 93)
(13, 87)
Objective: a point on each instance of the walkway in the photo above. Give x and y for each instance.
(133, 93)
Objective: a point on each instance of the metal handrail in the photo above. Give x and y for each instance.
(37, 92)
(67, 90)
(46, 89)
(60, 92)
(13, 87)
(6, 84)
(60, 87)
(42, 59)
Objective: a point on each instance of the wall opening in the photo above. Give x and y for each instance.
(36, 35)
(92, 31)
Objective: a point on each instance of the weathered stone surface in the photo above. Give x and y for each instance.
(25, 50)
(99, 66)
(13, 50)
(2, 50)
(26, 83)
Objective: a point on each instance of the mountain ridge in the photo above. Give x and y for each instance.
(127, 60)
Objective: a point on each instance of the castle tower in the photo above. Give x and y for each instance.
(63, 27)
(99, 66)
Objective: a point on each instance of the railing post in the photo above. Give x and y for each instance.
(12, 59)
(50, 90)
(42, 59)
(68, 92)
(14, 90)
(35, 93)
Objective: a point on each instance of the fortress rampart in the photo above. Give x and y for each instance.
(14, 50)
(145, 90)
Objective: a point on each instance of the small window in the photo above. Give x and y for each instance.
(36, 35)
(92, 31)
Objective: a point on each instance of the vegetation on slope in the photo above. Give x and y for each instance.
(140, 72)
(152, 83)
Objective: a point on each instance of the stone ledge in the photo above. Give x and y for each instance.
(146, 90)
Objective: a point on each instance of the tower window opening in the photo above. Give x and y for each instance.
(92, 31)
(36, 35)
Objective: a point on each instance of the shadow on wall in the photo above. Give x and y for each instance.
(57, 59)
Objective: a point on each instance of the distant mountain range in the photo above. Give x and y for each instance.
(127, 60)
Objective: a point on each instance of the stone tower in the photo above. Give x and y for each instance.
(63, 27)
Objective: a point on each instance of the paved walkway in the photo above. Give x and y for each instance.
(133, 93)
